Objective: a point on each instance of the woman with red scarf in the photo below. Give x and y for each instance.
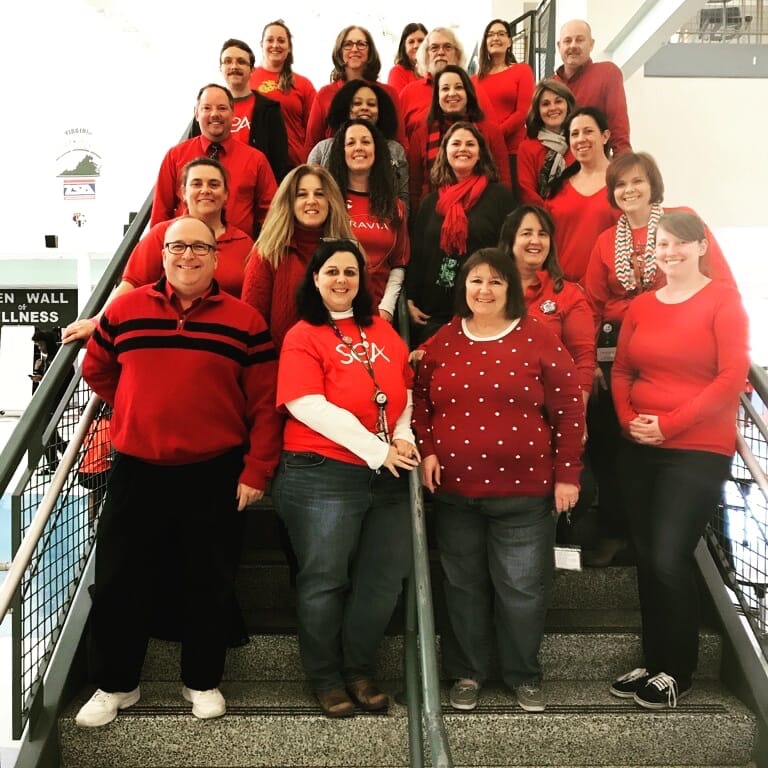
(464, 214)
(454, 99)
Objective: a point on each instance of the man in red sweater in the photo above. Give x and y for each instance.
(594, 84)
(191, 374)
(251, 181)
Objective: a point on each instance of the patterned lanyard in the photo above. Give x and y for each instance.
(379, 396)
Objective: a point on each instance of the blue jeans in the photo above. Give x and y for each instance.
(498, 560)
(350, 528)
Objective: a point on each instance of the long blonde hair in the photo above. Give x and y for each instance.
(279, 224)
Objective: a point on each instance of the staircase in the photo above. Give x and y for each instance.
(273, 719)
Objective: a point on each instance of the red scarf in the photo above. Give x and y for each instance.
(453, 202)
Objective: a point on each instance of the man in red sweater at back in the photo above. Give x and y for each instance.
(594, 84)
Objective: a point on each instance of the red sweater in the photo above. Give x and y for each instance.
(531, 154)
(504, 416)
(568, 315)
(510, 92)
(686, 363)
(295, 105)
(317, 126)
(187, 386)
(399, 76)
(419, 166)
(385, 245)
(313, 361)
(415, 100)
(579, 219)
(609, 298)
(272, 292)
(145, 264)
(601, 85)
(251, 182)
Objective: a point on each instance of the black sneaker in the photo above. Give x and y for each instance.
(661, 692)
(626, 686)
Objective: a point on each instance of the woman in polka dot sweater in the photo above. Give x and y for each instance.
(498, 416)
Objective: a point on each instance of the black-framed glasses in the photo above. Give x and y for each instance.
(348, 45)
(177, 247)
(496, 33)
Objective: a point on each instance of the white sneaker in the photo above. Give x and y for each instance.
(102, 707)
(205, 704)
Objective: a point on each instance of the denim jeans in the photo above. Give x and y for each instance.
(498, 560)
(350, 529)
(671, 495)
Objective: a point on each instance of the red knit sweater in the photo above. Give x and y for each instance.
(187, 386)
(273, 292)
(504, 416)
(686, 363)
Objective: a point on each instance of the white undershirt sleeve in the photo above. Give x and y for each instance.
(341, 426)
(392, 290)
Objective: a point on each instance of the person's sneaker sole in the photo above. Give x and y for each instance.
(532, 707)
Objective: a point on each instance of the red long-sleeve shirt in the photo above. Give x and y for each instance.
(601, 84)
(510, 92)
(251, 182)
(685, 363)
(531, 154)
(607, 295)
(568, 315)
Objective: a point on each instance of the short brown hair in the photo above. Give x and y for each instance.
(624, 163)
(505, 268)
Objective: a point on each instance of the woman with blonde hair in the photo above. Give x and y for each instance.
(307, 207)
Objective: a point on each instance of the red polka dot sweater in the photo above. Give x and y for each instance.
(504, 415)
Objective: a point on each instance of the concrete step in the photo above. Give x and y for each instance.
(568, 652)
(263, 584)
(278, 724)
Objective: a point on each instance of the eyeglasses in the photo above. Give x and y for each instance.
(437, 47)
(348, 45)
(177, 247)
(496, 33)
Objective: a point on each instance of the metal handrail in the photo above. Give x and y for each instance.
(422, 680)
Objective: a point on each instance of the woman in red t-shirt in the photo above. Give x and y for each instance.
(342, 487)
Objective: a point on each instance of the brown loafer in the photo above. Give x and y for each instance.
(367, 696)
(335, 703)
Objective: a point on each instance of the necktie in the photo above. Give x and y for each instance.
(214, 150)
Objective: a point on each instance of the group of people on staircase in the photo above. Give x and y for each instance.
(563, 326)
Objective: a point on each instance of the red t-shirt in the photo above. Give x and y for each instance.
(295, 104)
(386, 246)
(241, 122)
(314, 361)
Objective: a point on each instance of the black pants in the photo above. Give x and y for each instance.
(671, 496)
(149, 512)
(603, 449)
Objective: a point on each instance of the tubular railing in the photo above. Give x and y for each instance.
(422, 679)
(52, 514)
